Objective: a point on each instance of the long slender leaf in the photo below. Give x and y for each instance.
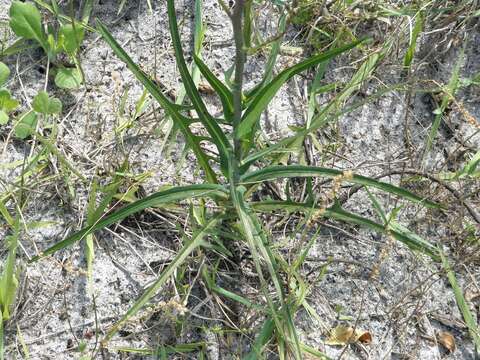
(447, 97)
(266, 94)
(167, 105)
(399, 232)
(216, 133)
(220, 88)
(196, 241)
(467, 315)
(257, 242)
(159, 198)
(275, 172)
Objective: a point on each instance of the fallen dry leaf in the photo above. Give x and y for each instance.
(342, 335)
(447, 340)
(365, 338)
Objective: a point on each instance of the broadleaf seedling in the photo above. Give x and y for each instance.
(26, 22)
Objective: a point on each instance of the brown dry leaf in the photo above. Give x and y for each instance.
(205, 88)
(365, 338)
(342, 335)
(447, 340)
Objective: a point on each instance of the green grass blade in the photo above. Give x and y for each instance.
(275, 172)
(262, 339)
(462, 305)
(266, 94)
(447, 97)
(417, 29)
(272, 59)
(167, 105)
(159, 198)
(220, 88)
(195, 242)
(399, 232)
(216, 133)
(2, 337)
(258, 245)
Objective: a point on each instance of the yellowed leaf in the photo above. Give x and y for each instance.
(447, 340)
(342, 335)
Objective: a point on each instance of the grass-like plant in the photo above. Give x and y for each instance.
(234, 173)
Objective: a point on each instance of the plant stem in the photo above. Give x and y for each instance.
(240, 58)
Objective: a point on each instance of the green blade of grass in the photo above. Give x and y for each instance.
(447, 97)
(195, 242)
(258, 245)
(216, 133)
(170, 349)
(220, 88)
(262, 339)
(159, 198)
(167, 105)
(462, 305)
(399, 232)
(266, 94)
(417, 29)
(279, 171)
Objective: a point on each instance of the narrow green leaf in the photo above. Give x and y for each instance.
(167, 105)
(258, 245)
(220, 88)
(157, 199)
(216, 133)
(290, 171)
(462, 305)
(417, 29)
(266, 94)
(196, 241)
(399, 232)
(447, 97)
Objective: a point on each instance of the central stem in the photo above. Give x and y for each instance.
(240, 58)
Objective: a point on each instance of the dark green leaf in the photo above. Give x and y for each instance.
(266, 94)
(26, 21)
(275, 172)
(171, 109)
(216, 133)
(222, 91)
(159, 198)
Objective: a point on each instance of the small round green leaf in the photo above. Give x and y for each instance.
(3, 117)
(68, 78)
(44, 104)
(26, 125)
(72, 37)
(4, 73)
(7, 103)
